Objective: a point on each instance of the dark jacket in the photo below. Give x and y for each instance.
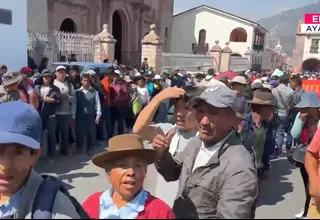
(177, 81)
(225, 188)
(102, 92)
(45, 108)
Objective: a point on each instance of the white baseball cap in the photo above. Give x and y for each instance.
(239, 79)
(60, 68)
(157, 77)
(91, 72)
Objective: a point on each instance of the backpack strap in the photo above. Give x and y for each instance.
(44, 200)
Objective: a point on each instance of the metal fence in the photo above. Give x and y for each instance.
(59, 44)
(239, 64)
(187, 62)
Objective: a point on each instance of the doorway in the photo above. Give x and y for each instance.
(117, 34)
(68, 25)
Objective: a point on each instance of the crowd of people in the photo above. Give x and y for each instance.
(214, 153)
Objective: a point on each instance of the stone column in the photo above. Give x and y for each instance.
(248, 55)
(104, 45)
(215, 52)
(50, 16)
(152, 47)
(225, 58)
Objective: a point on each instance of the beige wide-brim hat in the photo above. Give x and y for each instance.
(263, 98)
(122, 146)
(10, 78)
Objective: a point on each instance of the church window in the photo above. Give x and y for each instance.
(5, 16)
(202, 36)
(314, 46)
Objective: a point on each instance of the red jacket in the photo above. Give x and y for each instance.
(119, 95)
(154, 208)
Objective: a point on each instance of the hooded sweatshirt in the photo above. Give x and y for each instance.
(46, 108)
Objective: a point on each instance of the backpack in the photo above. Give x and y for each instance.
(44, 201)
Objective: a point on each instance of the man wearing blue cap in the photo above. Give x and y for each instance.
(20, 137)
(218, 178)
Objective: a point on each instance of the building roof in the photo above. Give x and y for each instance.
(222, 12)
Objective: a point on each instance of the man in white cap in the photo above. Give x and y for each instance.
(64, 110)
(238, 84)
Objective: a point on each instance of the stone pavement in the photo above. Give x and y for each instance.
(282, 195)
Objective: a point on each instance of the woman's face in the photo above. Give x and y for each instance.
(127, 176)
(46, 79)
(185, 116)
(312, 113)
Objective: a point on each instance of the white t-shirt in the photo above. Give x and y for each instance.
(44, 90)
(64, 108)
(143, 94)
(155, 183)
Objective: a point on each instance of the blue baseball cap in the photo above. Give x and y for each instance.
(20, 124)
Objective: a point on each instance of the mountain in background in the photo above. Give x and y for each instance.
(286, 30)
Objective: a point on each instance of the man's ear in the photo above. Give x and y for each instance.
(37, 155)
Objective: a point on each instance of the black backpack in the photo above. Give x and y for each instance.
(46, 195)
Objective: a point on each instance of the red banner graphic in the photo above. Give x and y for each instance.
(311, 86)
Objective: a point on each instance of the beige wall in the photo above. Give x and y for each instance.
(37, 16)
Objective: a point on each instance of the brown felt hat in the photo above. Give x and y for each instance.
(263, 98)
(122, 146)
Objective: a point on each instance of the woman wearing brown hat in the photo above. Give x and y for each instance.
(126, 165)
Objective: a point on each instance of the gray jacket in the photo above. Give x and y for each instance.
(62, 208)
(225, 188)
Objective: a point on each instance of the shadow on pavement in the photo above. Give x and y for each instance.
(64, 165)
(68, 178)
(278, 185)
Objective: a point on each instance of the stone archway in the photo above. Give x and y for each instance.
(68, 25)
(119, 32)
(310, 65)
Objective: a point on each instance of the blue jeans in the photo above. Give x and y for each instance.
(283, 127)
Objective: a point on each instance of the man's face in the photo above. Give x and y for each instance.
(267, 112)
(12, 87)
(293, 85)
(214, 123)
(15, 164)
(61, 75)
(85, 81)
(110, 76)
(3, 70)
(74, 73)
(141, 83)
(185, 116)
(239, 88)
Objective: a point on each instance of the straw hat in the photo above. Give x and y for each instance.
(263, 98)
(122, 146)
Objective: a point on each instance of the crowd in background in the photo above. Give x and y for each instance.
(273, 114)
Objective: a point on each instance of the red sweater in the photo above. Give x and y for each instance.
(153, 209)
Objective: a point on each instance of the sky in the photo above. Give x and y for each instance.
(250, 9)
